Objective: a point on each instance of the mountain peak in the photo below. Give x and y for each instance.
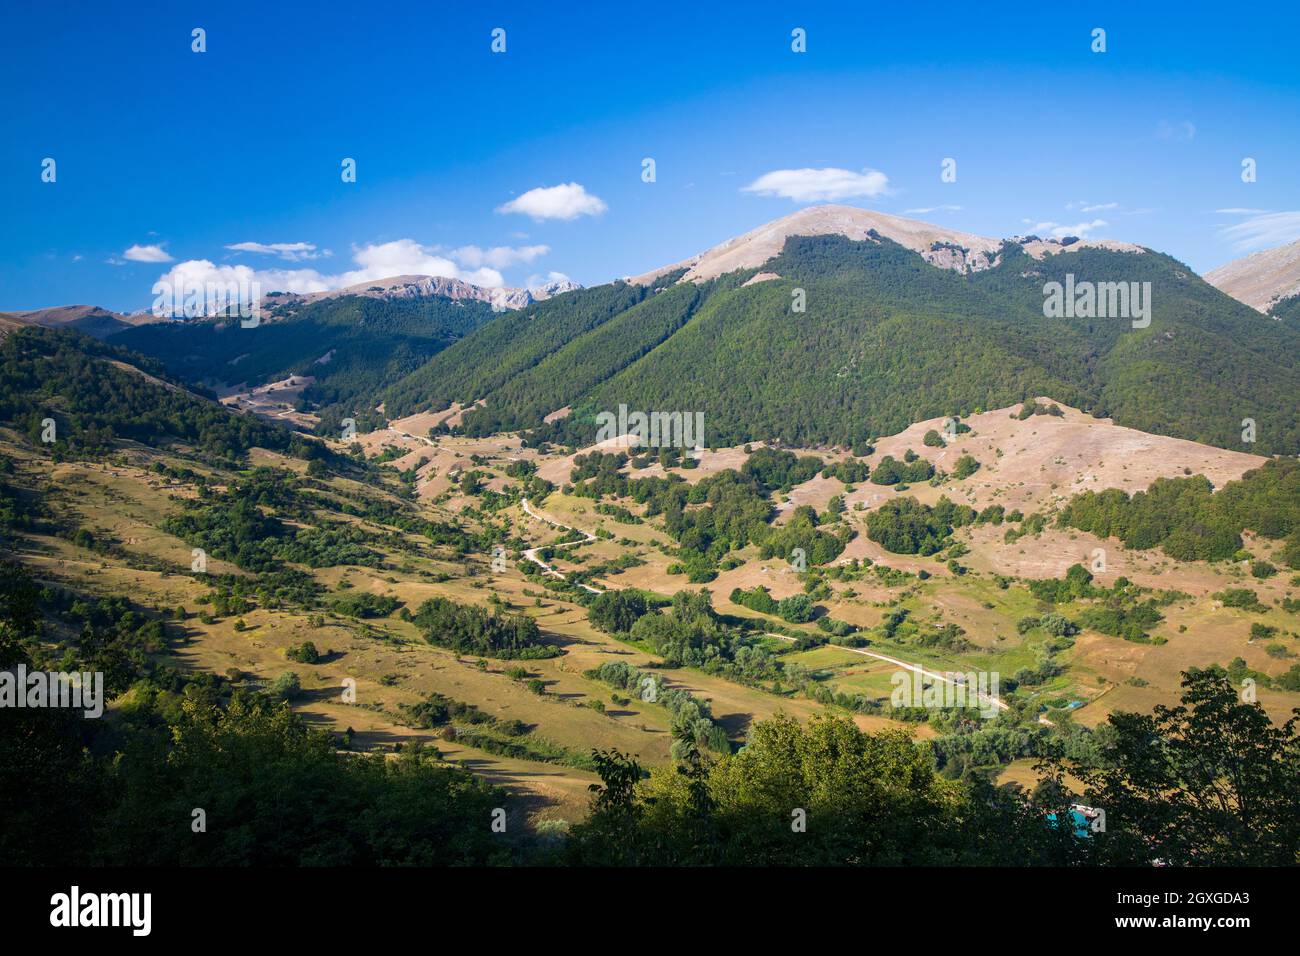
(938, 245)
(93, 320)
(1261, 278)
(415, 286)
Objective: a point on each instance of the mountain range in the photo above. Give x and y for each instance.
(415, 287)
(94, 321)
(834, 324)
(901, 321)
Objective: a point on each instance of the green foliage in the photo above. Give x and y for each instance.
(365, 604)
(801, 532)
(285, 687)
(353, 346)
(1058, 625)
(692, 718)
(1187, 520)
(892, 472)
(797, 608)
(469, 629)
(905, 526)
(775, 469)
(98, 394)
(616, 611)
(1244, 598)
(304, 653)
(1077, 583)
(849, 470)
(1210, 782)
(1031, 408)
(973, 340)
(1120, 618)
(276, 792)
(758, 599)
(819, 793)
(964, 467)
(511, 345)
(1286, 310)
(241, 525)
(1262, 569)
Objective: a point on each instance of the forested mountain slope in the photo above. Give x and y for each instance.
(71, 393)
(512, 344)
(886, 339)
(352, 346)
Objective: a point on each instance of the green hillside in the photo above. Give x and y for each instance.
(886, 339)
(1286, 310)
(96, 393)
(353, 346)
(511, 345)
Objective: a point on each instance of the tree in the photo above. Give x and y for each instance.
(965, 467)
(797, 608)
(1211, 782)
(286, 686)
(616, 611)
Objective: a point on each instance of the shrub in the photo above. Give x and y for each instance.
(304, 653)
(286, 686)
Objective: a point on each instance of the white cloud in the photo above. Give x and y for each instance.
(288, 251)
(1241, 211)
(1263, 231)
(1183, 131)
(923, 210)
(536, 282)
(375, 261)
(138, 253)
(819, 185)
(1092, 207)
(566, 201)
(203, 271)
(403, 257)
(1058, 231)
(498, 257)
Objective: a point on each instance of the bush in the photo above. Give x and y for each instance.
(616, 611)
(797, 608)
(965, 467)
(365, 605)
(890, 471)
(1262, 569)
(286, 686)
(304, 653)
(1244, 598)
(473, 630)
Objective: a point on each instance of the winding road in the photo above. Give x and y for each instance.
(531, 553)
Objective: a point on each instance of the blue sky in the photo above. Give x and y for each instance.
(169, 156)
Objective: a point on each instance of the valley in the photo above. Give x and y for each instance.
(457, 568)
